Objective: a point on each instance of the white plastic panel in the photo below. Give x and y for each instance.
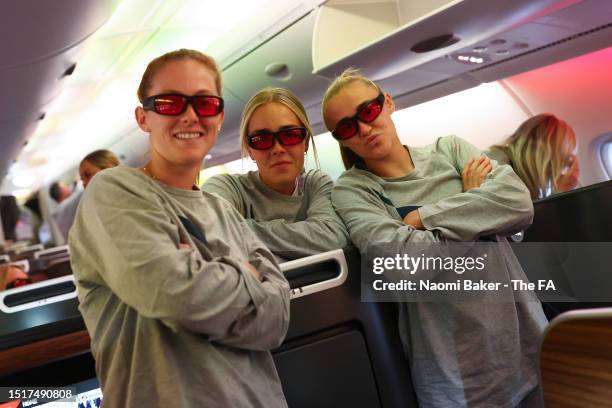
(336, 255)
(38, 303)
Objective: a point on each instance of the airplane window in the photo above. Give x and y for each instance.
(606, 156)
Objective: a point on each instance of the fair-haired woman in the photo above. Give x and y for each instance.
(287, 207)
(181, 300)
(94, 162)
(461, 353)
(542, 152)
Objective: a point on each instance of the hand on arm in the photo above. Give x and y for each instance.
(413, 218)
(500, 205)
(475, 172)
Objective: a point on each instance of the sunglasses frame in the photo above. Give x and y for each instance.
(380, 98)
(276, 137)
(149, 104)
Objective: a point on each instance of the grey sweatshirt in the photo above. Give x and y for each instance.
(292, 227)
(173, 326)
(461, 353)
(499, 155)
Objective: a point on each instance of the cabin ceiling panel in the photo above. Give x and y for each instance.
(293, 47)
(52, 27)
(28, 88)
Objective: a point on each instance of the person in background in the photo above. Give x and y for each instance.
(59, 191)
(396, 197)
(91, 164)
(182, 302)
(12, 276)
(9, 213)
(542, 152)
(94, 162)
(287, 207)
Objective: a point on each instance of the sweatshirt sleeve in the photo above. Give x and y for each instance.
(225, 187)
(321, 231)
(367, 218)
(133, 244)
(501, 205)
(268, 322)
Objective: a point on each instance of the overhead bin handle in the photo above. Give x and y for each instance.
(51, 251)
(37, 294)
(303, 268)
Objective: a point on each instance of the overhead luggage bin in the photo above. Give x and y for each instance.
(427, 51)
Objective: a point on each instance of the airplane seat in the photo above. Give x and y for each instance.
(338, 351)
(575, 361)
(570, 242)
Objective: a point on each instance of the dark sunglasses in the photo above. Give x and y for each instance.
(367, 113)
(176, 104)
(264, 139)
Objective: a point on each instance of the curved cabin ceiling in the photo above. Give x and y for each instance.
(62, 118)
(50, 121)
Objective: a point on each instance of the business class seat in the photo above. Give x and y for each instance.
(570, 241)
(576, 360)
(339, 351)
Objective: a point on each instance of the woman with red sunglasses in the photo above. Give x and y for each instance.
(180, 298)
(462, 353)
(287, 207)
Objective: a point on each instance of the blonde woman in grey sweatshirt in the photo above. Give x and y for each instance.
(461, 353)
(287, 207)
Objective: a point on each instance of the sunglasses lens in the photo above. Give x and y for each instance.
(291, 137)
(345, 129)
(370, 112)
(261, 141)
(169, 104)
(208, 106)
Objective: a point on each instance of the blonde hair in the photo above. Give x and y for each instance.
(155, 65)
(539, 150)
(350, 75)
(102, 159)
(284, 97)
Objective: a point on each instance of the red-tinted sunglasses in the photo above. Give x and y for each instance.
(176, 104)
(264, 139)
(367, 113)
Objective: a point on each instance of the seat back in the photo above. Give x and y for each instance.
(576, 359)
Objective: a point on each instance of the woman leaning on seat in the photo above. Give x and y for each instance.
(182, 301)
(542, 152)
(287, 207)
(461, 353)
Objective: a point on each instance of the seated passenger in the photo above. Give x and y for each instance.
(542, 152)
(287, 207)
(461, 353)
(12, 276)
(94, 162)
(180, 298)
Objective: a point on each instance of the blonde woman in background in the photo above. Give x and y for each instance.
(287, 207)
(94, 162)
(542, 152)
